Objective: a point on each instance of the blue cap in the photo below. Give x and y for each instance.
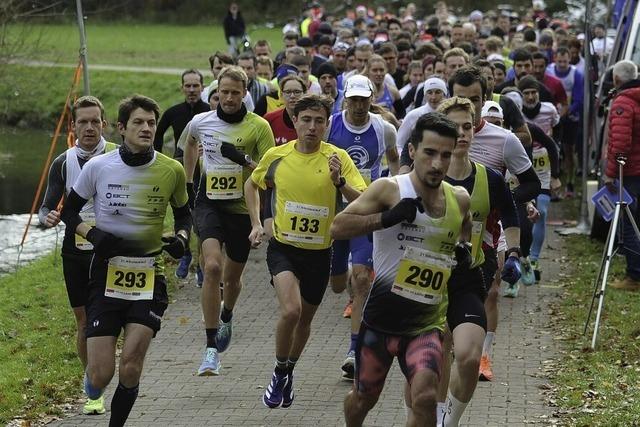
(286, 70)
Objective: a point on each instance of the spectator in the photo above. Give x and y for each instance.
(624, 138)
(234, 28)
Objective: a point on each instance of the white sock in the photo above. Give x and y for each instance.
(440, 412)
(453, 411)
(488, 343)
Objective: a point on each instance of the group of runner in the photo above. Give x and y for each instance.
(414, 185)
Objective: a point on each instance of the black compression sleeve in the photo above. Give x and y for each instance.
(55, 187)
(182, 218)
(529, 187)
(501, 199)
(408, 98)
(399, 107)
(405, 159)
(70, 214)
(163, 125)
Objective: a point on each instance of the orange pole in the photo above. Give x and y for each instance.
(52, 148)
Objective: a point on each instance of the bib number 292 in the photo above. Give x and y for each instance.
(223, 183)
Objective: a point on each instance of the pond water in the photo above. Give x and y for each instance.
(22, 156)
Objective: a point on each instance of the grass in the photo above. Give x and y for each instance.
(147, 45)
(34, 97)
(39, 368)
(601, 387)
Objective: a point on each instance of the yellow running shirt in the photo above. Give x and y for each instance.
(304, 199)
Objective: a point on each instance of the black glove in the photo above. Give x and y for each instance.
(463, 255)
(191, 193)
(175, 245)
(105, 245)
(405, 210)
(230, 151)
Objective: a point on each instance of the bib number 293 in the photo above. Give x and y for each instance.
(130, 279)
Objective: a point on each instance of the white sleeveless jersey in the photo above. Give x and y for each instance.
(546, 119)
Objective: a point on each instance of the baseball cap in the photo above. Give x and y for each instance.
(286, 70)
(435, 83)
(358, 85)
(492, 109)
(476, 14)
(340, 47)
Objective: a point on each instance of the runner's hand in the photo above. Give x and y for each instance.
(192, 195)
(462, 253)
(230, 151)
(105, 245)
(52, 219)
(335, 168)
(511, 272)
(175, 245)
(256, 235)
(533, 214)
(405, 210)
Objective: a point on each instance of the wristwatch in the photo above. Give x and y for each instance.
(247, 158)
(341, 183)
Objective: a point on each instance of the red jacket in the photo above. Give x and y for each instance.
(624, 130)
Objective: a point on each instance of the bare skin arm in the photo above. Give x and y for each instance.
(464, 201)
(363, 215)
(190, 157)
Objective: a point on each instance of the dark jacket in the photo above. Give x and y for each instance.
(233, 27)
(624, 130)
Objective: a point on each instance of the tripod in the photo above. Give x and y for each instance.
(611, 248)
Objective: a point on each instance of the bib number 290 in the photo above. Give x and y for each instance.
(424, 277)
(305, 224)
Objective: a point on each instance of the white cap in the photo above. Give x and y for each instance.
(516, 97)
(492, 109)
(495, 57)
(358, 85)
(435, 83)
(476, 14)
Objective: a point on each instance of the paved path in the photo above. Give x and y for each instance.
(170, 393)
(101, 67)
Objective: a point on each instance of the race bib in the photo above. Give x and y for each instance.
(541, 162)
(305, 223)
(224, 182)
(81, 243)
(422, 276)
(130, 278)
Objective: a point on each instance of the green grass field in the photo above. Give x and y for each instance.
(38, 363)
(33, 96)
(602, 387)
(141, 45)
